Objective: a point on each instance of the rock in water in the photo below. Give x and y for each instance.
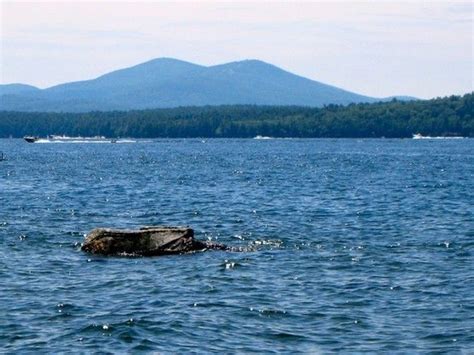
(147, 241)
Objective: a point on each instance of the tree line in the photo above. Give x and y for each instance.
(449, 116)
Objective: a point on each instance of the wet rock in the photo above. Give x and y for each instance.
(147, 241)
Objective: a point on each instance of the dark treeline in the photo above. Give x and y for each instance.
(442, 116)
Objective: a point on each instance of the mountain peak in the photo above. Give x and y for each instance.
(249, 67)
(252, 62)
(168, 61)
(247, 63)
(15, 89)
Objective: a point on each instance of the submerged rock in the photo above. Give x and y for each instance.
(147, 241)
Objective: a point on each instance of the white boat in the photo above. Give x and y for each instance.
(30, 139)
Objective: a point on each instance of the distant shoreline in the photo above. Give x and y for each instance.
(442, 117)
(150, 140)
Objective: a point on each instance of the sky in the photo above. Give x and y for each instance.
(376, 48)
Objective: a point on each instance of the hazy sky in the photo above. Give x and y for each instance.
(376, 48)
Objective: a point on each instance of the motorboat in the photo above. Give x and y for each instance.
(30, 139)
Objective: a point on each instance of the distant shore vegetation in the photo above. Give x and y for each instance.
(449, 116)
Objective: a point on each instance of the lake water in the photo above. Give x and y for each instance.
(361, 245)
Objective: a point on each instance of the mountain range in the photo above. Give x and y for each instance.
(167, 82)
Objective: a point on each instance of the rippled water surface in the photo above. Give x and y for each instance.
(362, 245)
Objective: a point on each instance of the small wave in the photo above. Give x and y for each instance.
(286, 336)
(229, 264)
(269, 312)
(269, 242)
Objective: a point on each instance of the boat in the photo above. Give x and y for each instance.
(30, 139)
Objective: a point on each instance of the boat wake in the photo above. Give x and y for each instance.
(81, 140)
(419, 136)
(45, 141)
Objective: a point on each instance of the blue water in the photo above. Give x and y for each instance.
(361, 245)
